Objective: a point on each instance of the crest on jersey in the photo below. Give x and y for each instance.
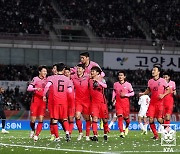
(168, 135)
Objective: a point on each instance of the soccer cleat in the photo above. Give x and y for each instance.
(105, 138)
(31, 134)
(94, 138)
(68, 137)
(52, 138)
(57, 139)
(87, 138)
(122, 135)
(80, 136)
(5, 131)
(35, 138)
(155, 138)
(126, 131)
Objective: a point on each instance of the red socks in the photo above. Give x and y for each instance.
(106, 130)
(39, 128)
(79, 125)
(88, 127)
(94, 127)
(120, 123)
(71, 126)
(153, 128)
(127, 122)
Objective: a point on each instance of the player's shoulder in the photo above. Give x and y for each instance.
(127, 83)
(116, 83)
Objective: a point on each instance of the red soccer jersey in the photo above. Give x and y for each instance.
(168, 99)
(97, 93)
(37, 82)
(81, 87)
(157, 87)
(119, 88)
(60, 85)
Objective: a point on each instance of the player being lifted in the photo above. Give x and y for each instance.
(82, 100)
(87, 63)
(38, 106)
(168, 99)
(71, 102)
(122, 90)
(99, 105)
(61, 86)
(158, 88)
(144, 104)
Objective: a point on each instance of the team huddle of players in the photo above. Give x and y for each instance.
(72, 92)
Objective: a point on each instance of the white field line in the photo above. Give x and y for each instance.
(74, 150)
(48, 148)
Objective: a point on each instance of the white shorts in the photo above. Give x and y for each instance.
(142, 113)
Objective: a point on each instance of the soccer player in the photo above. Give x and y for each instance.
(158, 88)
(61, 87)
(144, 104)
(71, 102)
(88, 64)
(99, 105)
(50, 102)
(2, 114)
(122, 90)
(38, 106)
(168, 99)
(82, 100)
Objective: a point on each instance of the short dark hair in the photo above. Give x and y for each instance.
(60, 66)
(122, 71)
(67, 68)
(86, 54)
(167, 73)
(81, 65)
(97, 69)
(158, 66)
(41, 67)
(55, 65)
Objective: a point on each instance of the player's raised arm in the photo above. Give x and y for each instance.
(131, 91)
(102, 83)
(46, 90)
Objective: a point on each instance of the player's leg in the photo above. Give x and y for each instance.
(153, 128)
(113, 120)
(126, 111)
(145, 125)
(95, 117)
(95, 128)
(71, 124)
(119, 113)
(106, 128)
(33, 115)
(55, 128)
(86, 116)
(140, 123)
(39, 127)
(88, 125)
(79, 109)
(3, 117)
(40, 113)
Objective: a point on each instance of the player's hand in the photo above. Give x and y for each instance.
(161, 96)
(38, 89)
(140, 94)
(44, 98)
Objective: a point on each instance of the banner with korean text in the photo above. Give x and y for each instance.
(133, 61)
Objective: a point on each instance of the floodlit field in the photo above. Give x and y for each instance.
(19, 142)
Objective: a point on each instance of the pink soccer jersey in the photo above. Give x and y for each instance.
(168, 99)
(37, 82)
(125, 88)
(81, 87)
(60, 85)
(88, 68)
(157, 87)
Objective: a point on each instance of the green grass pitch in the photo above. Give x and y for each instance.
(18, 142)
